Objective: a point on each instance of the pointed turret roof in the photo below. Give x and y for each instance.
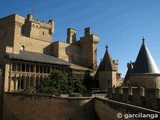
(145, 62)
(107, 62)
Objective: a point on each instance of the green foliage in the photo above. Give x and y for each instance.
(30, 90)
(59, 82)
(88, 80)
(75, 95)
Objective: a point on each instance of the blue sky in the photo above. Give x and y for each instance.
(120, 24)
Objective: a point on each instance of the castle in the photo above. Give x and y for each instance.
(28, 54)
(107, 73)
(141, 85)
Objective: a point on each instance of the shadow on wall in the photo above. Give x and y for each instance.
(48, 50)
(1, 89)
(112, 110)
(40, 107)
(73, 53)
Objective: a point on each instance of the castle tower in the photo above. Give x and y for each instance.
(37, 29)
(10, 32)
(107, 71)
(144, 71)
(71, 36)
(88, 45)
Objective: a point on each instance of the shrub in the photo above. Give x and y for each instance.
(58, 83)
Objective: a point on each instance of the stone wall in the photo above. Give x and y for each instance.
(1, 89)
(148, 98)
(68, 52)
(112, 110)
(1, 80)
(40, 107)
(18, 106)
(34, 45)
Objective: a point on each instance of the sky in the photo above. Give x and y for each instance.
(120, 24)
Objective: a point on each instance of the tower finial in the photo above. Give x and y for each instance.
(143, 40)
(106, 46)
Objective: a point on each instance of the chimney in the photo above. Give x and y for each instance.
(71, 36)
(29, 17)
(51, 31)
(87, 31)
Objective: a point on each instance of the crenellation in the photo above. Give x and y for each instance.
(41, 23)
(140, 96)
(25, 42)
(37, 29)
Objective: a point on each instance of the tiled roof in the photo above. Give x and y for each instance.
(36, 57)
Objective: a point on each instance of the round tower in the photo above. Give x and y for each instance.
(144, 71)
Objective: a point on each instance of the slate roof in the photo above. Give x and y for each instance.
(77, 67)
(36, 57)
(107, 62)
(145, 62)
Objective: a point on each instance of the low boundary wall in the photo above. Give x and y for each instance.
(45, 107)
(107, 109)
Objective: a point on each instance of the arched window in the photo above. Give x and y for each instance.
(22, 47)
(108, 82)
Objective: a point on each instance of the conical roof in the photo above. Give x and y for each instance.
(107, 62)
(145, 62)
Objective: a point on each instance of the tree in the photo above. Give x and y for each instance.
(88, 80)
(58, 83)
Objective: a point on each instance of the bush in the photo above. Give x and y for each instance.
(58, 83)
(75, 95)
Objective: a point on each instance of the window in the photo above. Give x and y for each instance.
(108, 82)
(32, 68)
(22, 47)
(23, 68)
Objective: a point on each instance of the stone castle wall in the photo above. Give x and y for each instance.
(46, 107)
(33, 107)
(34, 45)
(148, 98)
(107, 109)
(67, 52)
(18, 33)
(12, 37)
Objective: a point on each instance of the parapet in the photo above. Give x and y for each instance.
(38, 29)
(43, 24)
(13, 19)
(89, 37)
(139, 96)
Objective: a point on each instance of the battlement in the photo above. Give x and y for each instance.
(41, 24)
(38, 29)
(116, 62)
(14, 18)
(145, 97)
